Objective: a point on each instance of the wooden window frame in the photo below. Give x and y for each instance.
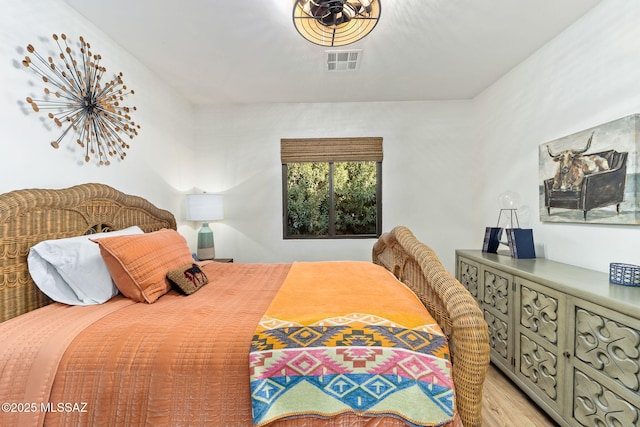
(331, 151)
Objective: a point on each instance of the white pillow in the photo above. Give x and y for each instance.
(72, 271)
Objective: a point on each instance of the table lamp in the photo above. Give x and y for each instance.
(205, 208)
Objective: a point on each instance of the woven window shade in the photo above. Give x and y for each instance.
(331, 150)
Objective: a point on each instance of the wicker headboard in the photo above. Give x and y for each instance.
(33, 215)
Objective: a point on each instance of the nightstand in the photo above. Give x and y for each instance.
(215, 259)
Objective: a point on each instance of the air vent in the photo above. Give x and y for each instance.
(343, 60)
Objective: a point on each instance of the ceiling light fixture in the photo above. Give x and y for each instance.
(335, 22)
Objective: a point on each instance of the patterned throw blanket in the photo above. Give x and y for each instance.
(327, 346)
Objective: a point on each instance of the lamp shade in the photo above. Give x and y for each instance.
(204, 207)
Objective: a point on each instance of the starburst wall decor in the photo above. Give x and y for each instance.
(79, 101)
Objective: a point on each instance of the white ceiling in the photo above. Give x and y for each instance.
(235, 51)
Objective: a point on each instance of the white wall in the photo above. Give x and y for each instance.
(445, 162)
(586, 76)
(427, 173)
(158, 165)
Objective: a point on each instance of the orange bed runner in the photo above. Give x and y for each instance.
(314, 291)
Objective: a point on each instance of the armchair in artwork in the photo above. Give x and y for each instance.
(587, 182)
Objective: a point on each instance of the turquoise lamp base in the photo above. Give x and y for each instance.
(206, 249)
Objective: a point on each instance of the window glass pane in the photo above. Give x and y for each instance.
(355, 197)
(308, 199)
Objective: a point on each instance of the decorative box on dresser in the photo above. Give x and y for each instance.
(564, 334)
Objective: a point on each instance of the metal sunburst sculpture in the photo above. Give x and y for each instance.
(81, 103)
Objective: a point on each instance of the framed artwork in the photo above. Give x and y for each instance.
(592, 176)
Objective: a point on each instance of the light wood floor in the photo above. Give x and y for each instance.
(505, 405)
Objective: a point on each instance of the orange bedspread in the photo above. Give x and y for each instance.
(180, 361)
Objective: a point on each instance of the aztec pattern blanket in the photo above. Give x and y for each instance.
(326, 346)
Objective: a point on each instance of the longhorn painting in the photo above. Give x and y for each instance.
(591, 176)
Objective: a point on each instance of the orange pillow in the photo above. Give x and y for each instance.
(139, 263)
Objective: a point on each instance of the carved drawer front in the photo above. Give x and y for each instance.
(496, 290)
(609, 347)
(540, 367)
(468, 275)
(539, 313)
(596, 405)
(498, 336)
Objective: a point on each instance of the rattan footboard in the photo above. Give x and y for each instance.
(33, 215)
(453, 307)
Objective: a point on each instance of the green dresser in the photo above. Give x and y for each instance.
(564, 334)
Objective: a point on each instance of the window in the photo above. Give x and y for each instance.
(332, 187)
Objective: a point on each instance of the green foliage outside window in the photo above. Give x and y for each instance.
(314, 210)
(308, 199)
(355, 197)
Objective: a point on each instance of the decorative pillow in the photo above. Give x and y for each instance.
(139, 264)
(189, 278)
(72, 271)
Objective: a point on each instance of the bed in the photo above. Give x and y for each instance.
(188, 360)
